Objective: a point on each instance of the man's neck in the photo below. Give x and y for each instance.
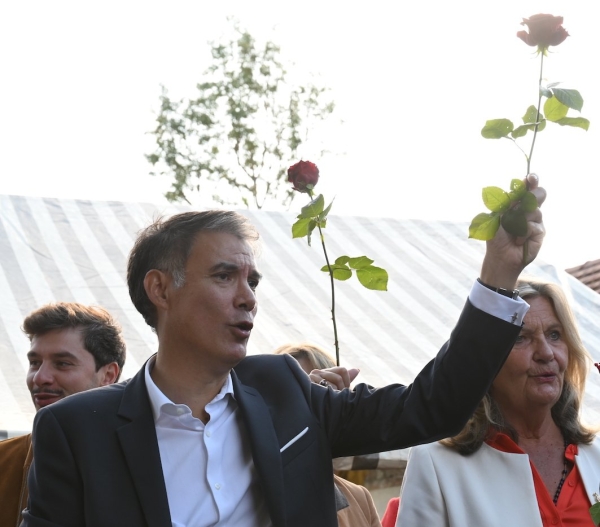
(187, 383)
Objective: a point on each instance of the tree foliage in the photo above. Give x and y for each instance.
(239, 132)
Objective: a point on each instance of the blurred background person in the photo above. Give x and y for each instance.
(524, 458)
(73, 348)
(354, 503)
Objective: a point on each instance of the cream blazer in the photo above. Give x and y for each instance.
(488, 489)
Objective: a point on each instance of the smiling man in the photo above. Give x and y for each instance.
(204, 435)
(73, 348)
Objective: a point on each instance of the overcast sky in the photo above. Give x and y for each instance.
(413, 86)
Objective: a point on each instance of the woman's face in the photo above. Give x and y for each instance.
(532, 377)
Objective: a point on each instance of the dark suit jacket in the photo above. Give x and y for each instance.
(96, 457)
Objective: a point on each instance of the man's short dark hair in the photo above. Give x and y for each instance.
(165, 245)
(100, 331)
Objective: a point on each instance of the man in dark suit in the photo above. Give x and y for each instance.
(203, 435)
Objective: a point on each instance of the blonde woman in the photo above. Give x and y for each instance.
(524, 458)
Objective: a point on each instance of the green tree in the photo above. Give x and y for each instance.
(245, 124)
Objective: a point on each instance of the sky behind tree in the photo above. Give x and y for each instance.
(413, 84)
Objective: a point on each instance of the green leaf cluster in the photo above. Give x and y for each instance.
(311, 216)
(232, 140)
(508, 209)
(368, 275)
(314, 215)
(558, 102)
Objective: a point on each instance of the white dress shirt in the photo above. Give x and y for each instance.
(208, 469)
(498, 305)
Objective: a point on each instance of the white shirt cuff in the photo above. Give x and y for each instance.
(498, 305)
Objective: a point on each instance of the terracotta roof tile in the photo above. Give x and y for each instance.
(588, 273)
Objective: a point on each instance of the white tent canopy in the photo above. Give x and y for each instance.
(68, 250)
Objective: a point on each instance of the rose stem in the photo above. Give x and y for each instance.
(535, 131)
(335, 335)
(537, 117)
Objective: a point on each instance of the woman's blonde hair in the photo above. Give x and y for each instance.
(566, 410)
(316, 356)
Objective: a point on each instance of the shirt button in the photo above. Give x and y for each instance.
(208, 433)
(554, 520)
(180, 411)
(218, 486)
(571, 484)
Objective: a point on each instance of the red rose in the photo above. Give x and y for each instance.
(303, 176)
(544, 31)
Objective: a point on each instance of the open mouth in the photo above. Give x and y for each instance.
(243, 329)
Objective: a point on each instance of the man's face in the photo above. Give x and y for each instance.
(211, 315)
(59, 365)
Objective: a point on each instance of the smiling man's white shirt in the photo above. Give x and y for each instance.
(208, 469)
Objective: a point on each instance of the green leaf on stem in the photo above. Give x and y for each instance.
(339, 272)
(554, 109)
(545, 91)
(495, 199)
(518, 192)
(595, 513)
(570, 98)
(323, 215)
(528, 202)
(314, 208)
(517, 189)
(360, 262)
(517, 185)
(311, 228)
(497, 128)
(530, 116)
(374, 278)
(520, 131)
(484, 226)
(514, 222)
(578, 122)
(342, 260)
(301, 228)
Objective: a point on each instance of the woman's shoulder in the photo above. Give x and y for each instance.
(438, 450)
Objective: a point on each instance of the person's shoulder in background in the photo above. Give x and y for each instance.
(361, 511)
(15, 458)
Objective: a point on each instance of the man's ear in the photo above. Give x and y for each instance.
(155, 284)
(109, 373)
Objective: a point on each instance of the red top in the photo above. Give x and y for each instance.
(573, 506)
(391, 513)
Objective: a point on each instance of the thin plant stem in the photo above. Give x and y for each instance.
(519, 147)
(537, 117)
(535, 131)
(335, 333)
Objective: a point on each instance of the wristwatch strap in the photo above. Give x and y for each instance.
(514, 294)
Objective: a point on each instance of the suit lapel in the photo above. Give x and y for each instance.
(140, 448)
(265, 447)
